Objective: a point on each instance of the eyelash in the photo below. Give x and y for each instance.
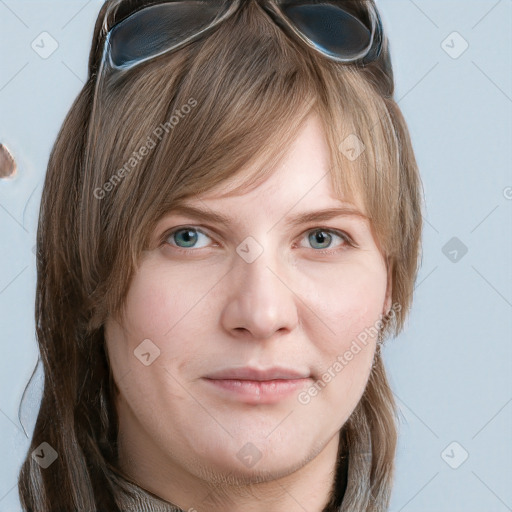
(326, 252)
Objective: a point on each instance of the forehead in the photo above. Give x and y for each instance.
(293, 195)
(303, 174)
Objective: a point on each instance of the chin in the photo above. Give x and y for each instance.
(236, 475)
(246, 462)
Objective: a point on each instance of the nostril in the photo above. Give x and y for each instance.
(7, 163)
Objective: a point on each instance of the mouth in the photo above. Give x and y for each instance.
(258, 386)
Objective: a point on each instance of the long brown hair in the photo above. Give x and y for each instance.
(249, 88)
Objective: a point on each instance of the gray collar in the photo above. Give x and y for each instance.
(132, 498)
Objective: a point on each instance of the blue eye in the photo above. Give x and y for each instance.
(324, 238)
(186, 236)
(320, 239)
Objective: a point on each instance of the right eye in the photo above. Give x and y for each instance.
(184, 238)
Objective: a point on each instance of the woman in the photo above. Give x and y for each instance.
(241, 371)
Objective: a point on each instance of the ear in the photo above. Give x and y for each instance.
(389, 288)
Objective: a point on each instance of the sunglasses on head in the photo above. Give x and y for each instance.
(347, 31)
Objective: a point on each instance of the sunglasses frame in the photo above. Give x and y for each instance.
(374, 46)
(273, 8)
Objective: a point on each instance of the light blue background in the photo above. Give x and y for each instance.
(451, 367)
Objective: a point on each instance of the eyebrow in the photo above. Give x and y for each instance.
(302, 218)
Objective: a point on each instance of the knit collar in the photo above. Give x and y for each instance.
(130, 497)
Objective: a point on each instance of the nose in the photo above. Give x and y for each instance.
(261, 301)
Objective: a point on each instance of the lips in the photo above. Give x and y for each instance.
(257, 386)
(255, 374)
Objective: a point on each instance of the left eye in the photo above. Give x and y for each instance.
(187, 238)
(324, 237)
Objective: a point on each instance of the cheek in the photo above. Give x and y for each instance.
(347, 299)
(161, 302)
(145, 345)
(162, 306)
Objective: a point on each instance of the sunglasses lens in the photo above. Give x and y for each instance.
(331, 29)
(157, 28)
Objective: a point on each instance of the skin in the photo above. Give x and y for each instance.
(210, 309)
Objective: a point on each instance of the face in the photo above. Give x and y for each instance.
(240, 349)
